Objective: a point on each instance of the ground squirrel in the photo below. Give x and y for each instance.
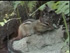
(28, 28)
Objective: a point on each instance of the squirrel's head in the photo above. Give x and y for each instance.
(47, 16)
(47, 20)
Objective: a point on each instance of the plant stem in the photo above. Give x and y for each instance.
(66, 28)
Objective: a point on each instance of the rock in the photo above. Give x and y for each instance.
(21, 44)
(49, 42)
(54, 37)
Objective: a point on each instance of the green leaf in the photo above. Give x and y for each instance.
(50, 4)
(31, 5)
(2, 23)
(42, 7)
(60, 6)
(67, 11)
(16, 4)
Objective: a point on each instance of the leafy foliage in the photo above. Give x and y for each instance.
(29, 4)
(60, 6)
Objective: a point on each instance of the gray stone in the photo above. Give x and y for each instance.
(50, 42)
